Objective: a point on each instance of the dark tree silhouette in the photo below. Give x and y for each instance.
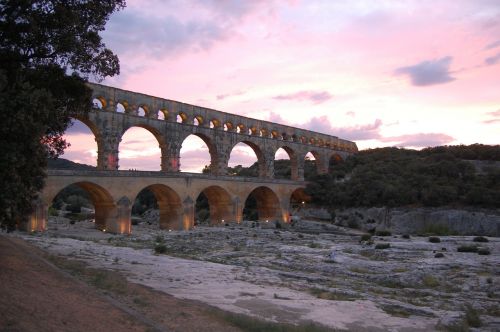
(48, 50)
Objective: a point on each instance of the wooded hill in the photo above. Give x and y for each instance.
(439, 176)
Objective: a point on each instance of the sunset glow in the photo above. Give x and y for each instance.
(384, 73)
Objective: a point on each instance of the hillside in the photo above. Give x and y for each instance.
(61, 163)
(440, 176)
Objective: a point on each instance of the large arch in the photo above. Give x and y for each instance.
(261, 163)
(169, 204)
(220, 204)
(148, 153)
(292, 163)
(267, 204)
(334, 160)
(213, 165)
(101, 199)
(83, 135)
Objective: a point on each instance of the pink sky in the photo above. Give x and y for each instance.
(380, 73)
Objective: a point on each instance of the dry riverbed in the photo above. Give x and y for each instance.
(313, 272)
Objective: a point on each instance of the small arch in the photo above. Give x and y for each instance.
(228, 126)
(198, 120)
(284, 136)
(264, 132)
(334, 160)
(262, 204)
(312, 140)
(295, 138)
(214, 204)
(121, 107)
(320, 142)
(181, 118)
(252, 131)
(303, 139)
(162, 114)
(214, 124)
(312, 164)
(99, 103)
(275, 134)
(141, 111)
(240, 128)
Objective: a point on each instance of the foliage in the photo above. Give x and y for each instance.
(144, 201)
(466, 248)
(48, 49)
(480, 239)
(382, 246)
(434, 239)
(401, 177)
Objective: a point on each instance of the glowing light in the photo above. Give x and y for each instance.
(104, 230)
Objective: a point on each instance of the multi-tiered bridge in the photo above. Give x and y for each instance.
(171, 122)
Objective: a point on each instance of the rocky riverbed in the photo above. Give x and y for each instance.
(311, 272)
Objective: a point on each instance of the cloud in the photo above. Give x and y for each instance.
(492, 60)
(316, 97)
(130, 32)
(493, 45)
(429, 72)
(231, 94)
(419, 140)
(351, 114)
(495, 117)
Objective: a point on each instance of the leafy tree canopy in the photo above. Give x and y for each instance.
(48, 50)
(439, 176)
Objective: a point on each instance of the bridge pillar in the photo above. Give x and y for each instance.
(170, 215)
(37, 221)
(285, 210)
(107, 154)
(267, 171)
(322, 164)
(170, 157)
(115, 218)
(238, 210)
(188, 214)
(300, 170)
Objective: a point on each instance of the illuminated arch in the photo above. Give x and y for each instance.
(267, 204)
(220, 204)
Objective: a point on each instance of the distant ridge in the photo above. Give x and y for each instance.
(61, 163)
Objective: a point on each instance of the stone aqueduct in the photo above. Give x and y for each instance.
(171, 122)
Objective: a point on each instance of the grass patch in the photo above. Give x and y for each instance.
(467, 248)
(434, 239)
(399, 270)
(436, 230)
(382, 246)
(250, 324)
(160, 248)
(480, 239)
(430, 281)
(356, 269)
(383, 233)
(483, 251)
(472, 316)
(314, 245)
(396, 311)
(366, 237)
(333, 296)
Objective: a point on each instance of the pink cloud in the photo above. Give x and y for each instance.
(316, 97)
(419, 140)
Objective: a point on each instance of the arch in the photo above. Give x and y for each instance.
(140, 152)
(311, 164)
(283, 168)
(228, 126)
(162, 114)
(122, 107)
(214, 124)
(181, 118)
(240, 128)
(190, 156)
(198, 120)
(261, 165)
(298, 200)
(169, 205)
(264, 133)
(267, 205)
(99, 103)
(142, 111)
(100, 197)
(85, 141)
(219, 203)
(334, 160)
(252, 131)
(275, 134)
(303, 139)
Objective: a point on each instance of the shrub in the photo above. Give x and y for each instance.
(277, 224)
(382, 245)
(483, 251)
(352, 224)
(439, 255)
(434, 239)
(366, 237)
(465, 248)
(74, 208)
(160, 248)
(53, 212)
(472, 316)
(405, 236)
(480, 239)
(383, 233)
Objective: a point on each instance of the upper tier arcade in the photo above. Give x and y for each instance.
(117, 110)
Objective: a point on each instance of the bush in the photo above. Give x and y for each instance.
(466, 248)
(366, 237)
(483, 251)
(472, 316)
(480, 239)
(53, 212)
(160, 248)
(352, 224)
(439, 255)
(73, 208)
(383, 233)
(382, 246)
(405, 236)
(434, 239)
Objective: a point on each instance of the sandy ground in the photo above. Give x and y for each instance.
(38, 296)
